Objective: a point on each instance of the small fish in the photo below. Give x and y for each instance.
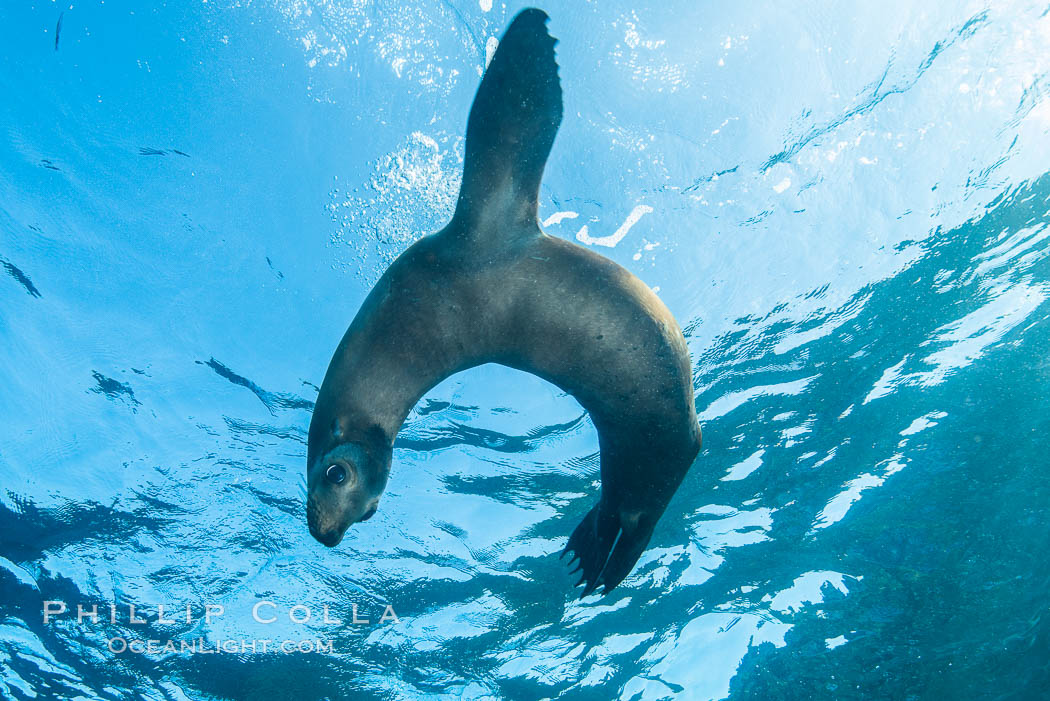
(15, 272)
(280, 275)
(58, 28)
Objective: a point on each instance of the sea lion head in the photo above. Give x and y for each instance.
(344, 484)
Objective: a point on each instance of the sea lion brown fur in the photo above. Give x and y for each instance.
(491, 287)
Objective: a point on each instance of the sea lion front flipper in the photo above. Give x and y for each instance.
(511, 129)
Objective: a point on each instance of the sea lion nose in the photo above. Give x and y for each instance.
(329, 538)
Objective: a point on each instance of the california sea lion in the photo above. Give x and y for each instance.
(491, 287)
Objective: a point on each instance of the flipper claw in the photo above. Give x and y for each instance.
(606, 551)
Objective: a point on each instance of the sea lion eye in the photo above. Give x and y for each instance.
(336, 473)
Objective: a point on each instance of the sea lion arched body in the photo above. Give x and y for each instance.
(491, 287)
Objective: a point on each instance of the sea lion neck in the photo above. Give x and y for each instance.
(348, 421)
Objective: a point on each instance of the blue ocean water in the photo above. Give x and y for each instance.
(845, 205)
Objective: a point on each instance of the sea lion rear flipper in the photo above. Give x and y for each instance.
(606, 551)
(513, 121)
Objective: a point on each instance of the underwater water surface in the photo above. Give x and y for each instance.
(845, 205)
